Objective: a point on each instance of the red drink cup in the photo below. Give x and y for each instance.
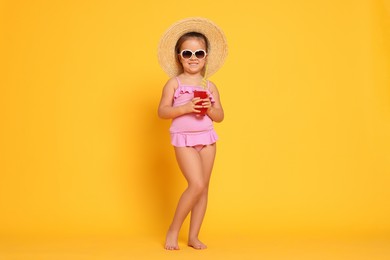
(202, 94)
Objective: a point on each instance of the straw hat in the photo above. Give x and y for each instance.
(217, 51)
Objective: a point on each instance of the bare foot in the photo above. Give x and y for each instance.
(171, 241)
(195, 243)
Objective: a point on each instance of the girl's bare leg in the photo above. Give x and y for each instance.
(190, 163)
(207, 155)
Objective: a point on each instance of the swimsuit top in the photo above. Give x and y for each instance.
(190, 122)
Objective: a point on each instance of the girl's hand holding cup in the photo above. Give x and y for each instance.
(192, 106)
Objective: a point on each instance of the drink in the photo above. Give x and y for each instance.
(202, 94)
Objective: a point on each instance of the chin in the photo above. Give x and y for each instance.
(192, 71)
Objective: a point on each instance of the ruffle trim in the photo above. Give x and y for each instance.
(192, 139)
(190, 90)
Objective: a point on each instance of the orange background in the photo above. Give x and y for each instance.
(304, 148)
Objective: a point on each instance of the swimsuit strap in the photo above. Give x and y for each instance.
(178, 81)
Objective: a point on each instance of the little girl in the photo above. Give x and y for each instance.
(189, 51)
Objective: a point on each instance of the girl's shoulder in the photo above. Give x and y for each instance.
(172, 83)
(211, 86)
(172, 80)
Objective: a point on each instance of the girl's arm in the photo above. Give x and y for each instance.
(215, 111)
(166, 110)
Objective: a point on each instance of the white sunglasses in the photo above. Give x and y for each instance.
(199, 54)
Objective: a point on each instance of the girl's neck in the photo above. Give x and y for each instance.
(191, 79)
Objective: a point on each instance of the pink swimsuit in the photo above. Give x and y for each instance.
(191, 129)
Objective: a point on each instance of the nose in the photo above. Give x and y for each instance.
(193, 57)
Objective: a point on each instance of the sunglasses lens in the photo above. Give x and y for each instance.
(186, 54)
(200, 54)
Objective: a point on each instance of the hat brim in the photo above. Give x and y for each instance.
(217, 50)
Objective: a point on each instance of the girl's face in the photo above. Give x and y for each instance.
(193, 65)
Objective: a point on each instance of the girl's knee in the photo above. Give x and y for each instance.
(198, 188)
